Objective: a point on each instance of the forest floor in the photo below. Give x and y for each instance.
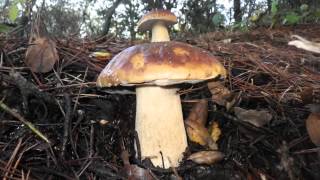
(91, 130)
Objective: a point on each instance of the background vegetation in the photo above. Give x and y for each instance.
(92, 18)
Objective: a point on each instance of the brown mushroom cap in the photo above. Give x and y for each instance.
(162, 64)
(148, 20)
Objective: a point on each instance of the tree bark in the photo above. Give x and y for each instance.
(108, 16)
(269, 4)
(237, 11)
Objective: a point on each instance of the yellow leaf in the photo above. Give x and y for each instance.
(101, 55)
(199, 134)
(215, 131)
(206, 157)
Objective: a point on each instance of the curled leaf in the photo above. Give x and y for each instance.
(199, 134)
(221, 95)
(199, 112)
(102, 56)
(254, 117)
(206, 157)
(215, 131)
(41, 55)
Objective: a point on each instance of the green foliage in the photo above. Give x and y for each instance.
(242, 26)
(274, 7)
(4, 28)
(201, 16)
(304, 7)
(281, 14)
(317, 14)
(274, 12)
(13, 12)
(291, 18)
(218, 19)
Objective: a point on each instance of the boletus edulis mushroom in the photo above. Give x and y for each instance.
(155, 69)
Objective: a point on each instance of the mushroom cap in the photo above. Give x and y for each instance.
(149, 19)
(162, 64)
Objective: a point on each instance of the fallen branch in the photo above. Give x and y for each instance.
(24, 121)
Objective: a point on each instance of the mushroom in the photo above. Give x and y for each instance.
(155, 68)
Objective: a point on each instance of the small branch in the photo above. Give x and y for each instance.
(24, 121)
(66, 124)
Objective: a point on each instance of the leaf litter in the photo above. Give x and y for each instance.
(263, 70)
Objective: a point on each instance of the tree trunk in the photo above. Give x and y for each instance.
(108, 16)
(269, 4)
(237, 11)
(131, 22)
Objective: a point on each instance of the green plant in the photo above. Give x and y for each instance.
(218, 19)
(291, 18)
(13, 11)
(4, 28)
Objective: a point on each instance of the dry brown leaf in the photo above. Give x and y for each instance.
(41, 55)
(254, 117)
(313, 128)
(206, 157)
(199, 112)
(133, 172)
(196, 130)
(307, 95)
(302, 43)
(199, 134)
(221, 95)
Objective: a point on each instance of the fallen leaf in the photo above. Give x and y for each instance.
(102, 56)
(206, 157)
(41, 55)
(199, 134)
(254, 117)
(133, 172)
(302, 43)
(199, 112)
(215, 131)
(307, 95)
(313, 128)
(221, 95)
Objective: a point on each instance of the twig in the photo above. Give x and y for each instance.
(80, 89)
(13, 156)
(24, 121)
(66, 124)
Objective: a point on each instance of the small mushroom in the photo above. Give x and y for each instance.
(155, 68)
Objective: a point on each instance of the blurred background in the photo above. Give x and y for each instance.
(94, 18)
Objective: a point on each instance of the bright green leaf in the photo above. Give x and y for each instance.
(13, 12)
(291, 18)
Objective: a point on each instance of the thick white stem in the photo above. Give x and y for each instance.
(160, 33)
(160, 126)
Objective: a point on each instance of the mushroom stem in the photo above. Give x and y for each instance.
(159, 124)
(160, 33)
